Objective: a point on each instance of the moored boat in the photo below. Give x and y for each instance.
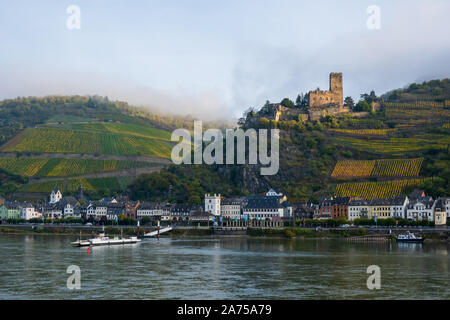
(409, 237)
(101, 239)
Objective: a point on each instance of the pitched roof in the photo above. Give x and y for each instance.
(380, 202)
(342, 200)
(68, 200)
(232, 201)
(397, 201)
(358, 202)
(262, 202)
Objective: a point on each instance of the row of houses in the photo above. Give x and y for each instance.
(269, 206)
(418, 206)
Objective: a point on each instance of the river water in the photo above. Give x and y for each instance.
(34, 267)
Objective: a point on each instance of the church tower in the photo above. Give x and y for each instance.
(56, 195)
(80, 192)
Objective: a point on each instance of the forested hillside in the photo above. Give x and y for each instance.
(401, 145)
(110, 147)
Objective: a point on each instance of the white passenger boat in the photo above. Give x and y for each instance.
(102, 240)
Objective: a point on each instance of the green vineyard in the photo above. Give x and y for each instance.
(71, 185)
(369, 190)
(349, 169)
(414, 105)
(55, 167)
(119, 128)
(353, 169)
(396, 145)
(397, 167)
(39, 140)
(364, 132)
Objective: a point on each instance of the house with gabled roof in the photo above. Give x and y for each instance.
(56, 195)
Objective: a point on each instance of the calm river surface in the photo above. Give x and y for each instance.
(34, 267)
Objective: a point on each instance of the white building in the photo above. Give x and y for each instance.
(447, 206)
(272, 206)
(91, 211)
(212, 204)
(357, 209)
(231, 208)
(440, 212)
(56, 195)
(398, 207)
(53, 211)
(101, 209)
(421, 209)
(150, 209)
(28, 212)
(69, 204)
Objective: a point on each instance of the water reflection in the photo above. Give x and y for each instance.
(34, 266)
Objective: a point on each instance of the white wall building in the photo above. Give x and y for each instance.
(447, 206)
(28, 212)
(91, 211)
(69, 210)
(149, 209)
(421, 210)
(231, 208)
(56, 195)
(398, 207)
(358, 209)
(212, 204)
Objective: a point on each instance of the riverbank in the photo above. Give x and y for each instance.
(431, 235)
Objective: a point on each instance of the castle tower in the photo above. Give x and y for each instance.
(336, 88)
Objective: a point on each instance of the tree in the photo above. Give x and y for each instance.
(369, 98)
(299, 99)
(362, 106)
(286, 102)
(348, 101)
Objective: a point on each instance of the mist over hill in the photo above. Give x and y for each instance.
(118, 148)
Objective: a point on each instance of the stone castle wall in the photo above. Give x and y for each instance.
(329, 102)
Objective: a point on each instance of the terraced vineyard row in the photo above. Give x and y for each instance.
(119, 128)
(395, 145)
(89, 184)
(353, 169)
(40, 140)
(414, 105)
(369, 190)
(397, 167)
(364, 132)
(349, 169)
(54, 167)
(417, 113)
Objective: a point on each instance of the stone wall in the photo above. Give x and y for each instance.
(330, 102)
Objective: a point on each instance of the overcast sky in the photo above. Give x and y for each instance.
(216, 58)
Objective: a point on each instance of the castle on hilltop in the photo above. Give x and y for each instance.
(327, 102)
(320, 104)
